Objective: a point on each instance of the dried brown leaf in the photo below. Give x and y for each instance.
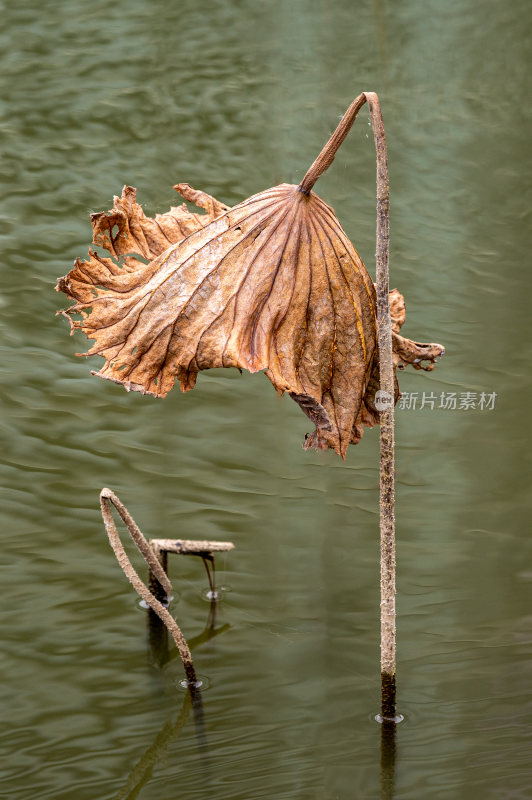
(271, 284)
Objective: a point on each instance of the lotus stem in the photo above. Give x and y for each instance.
(387, 469)
(107, 497)
(326, 157)
(387, 389)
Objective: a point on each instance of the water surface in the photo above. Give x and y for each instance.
(234, 97)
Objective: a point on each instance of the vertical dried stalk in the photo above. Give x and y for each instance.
(106, 498)
(384, 329)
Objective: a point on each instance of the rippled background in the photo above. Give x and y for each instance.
(234, 97)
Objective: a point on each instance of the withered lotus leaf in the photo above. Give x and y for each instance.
(272, 284)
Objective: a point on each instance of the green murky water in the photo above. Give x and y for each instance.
(234, 97)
